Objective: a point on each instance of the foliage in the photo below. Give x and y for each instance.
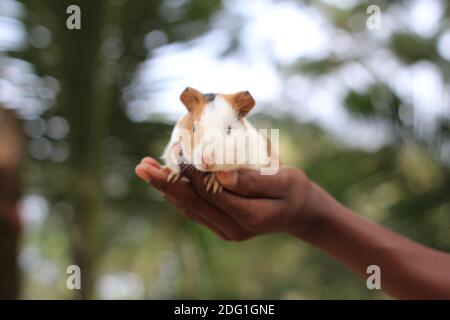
(103, 218)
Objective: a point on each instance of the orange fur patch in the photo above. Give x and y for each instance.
(242, 102)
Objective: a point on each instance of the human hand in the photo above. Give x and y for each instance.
(251, 203)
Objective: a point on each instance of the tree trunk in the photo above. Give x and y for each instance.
(83, 103)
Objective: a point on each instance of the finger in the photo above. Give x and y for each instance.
(140, 168)
(190, 200)
(251, 183)
(211, 216)
(243, 210)
(142, 173)
(145, 171)
(190, 215)
(158, 179)
(151, 161)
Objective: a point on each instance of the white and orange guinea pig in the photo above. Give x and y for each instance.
(214, 136)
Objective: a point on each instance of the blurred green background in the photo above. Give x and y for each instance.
(365, 112)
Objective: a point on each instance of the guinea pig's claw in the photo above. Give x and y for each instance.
(212, 184)
(173, 176)
(216, 187)
(209, 183)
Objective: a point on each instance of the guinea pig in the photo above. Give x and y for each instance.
(215, 136)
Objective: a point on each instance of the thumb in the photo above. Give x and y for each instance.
(250, 183)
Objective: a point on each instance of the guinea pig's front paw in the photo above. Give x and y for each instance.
(212, 183)
(174, 173)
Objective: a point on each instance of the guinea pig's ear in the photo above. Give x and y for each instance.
(243, 102)
(191, 98)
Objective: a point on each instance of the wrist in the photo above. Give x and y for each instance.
(312, 213)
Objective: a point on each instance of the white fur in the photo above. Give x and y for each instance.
(217, 117)
(218, 114)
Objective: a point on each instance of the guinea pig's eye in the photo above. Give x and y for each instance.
(193, 127)
(229, 130)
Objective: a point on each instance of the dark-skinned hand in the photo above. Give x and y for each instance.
(250, 204)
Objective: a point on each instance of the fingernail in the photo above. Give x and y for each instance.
(141, 174)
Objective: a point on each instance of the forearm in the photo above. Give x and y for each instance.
(408, 269)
